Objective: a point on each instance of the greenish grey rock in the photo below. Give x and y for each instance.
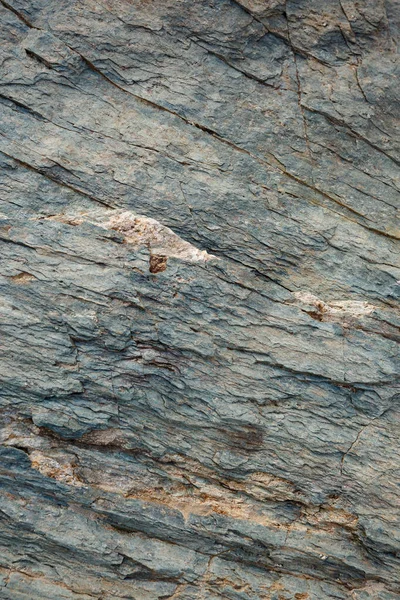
(199, 318)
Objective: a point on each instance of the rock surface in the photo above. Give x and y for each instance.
(199, 300)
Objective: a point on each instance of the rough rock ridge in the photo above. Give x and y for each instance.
(199, 318)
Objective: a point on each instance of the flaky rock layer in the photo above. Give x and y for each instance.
(199, 324)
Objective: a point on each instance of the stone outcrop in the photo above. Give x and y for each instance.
(199, 319)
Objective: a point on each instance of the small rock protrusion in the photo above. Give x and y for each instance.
(158, 263)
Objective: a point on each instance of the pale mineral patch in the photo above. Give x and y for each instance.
(337, 308)
(140, 231)
(57, 467)
(144, 231)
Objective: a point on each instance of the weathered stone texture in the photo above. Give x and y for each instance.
(199, 324)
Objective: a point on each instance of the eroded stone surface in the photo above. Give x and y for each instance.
(199, 273)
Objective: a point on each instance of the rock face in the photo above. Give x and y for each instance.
(199, 300)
